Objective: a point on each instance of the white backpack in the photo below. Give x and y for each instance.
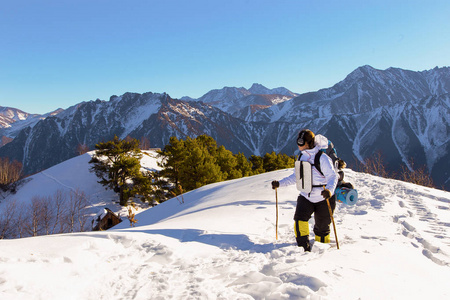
(303, 176)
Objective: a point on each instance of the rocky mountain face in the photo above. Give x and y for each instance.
(404, 115)
(13, 120)
(401, 114)
(9, 116)
(237, 101)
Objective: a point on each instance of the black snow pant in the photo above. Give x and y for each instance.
(322, 219)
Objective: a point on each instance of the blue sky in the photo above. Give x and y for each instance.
(59, 53)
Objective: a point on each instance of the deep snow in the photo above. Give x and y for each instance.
(220, 244)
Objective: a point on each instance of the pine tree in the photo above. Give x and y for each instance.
(243, 165)
(209, 143)
(192, 163)
(284, 161)
(117, 164)
(172, 158)
(227, 163)
(270, 162)
(257, 164)
(199, 167)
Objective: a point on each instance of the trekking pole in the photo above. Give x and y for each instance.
(332, 220)
(276, 206)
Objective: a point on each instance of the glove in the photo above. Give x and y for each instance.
(341, 164)
(326, 194)
(275, 184)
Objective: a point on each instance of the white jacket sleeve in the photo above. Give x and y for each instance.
(331, 176)
(288, 180)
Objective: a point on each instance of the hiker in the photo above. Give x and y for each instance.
(324, 181)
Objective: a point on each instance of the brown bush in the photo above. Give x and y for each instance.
(374, 165)
(10, 172)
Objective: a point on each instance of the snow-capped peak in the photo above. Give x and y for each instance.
(257, 88)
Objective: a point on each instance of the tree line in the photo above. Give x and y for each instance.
(186, 165)
(194, 162)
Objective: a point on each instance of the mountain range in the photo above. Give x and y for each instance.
(402, 114)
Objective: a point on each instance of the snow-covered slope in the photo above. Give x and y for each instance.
(220, 244)
(72, 175)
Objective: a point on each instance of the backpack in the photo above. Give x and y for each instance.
(332, 153)
(345, 192)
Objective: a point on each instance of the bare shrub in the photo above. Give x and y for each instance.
(132, 214)
(62, 212)
(374, 165)
(10, 172)
(8, 218)
(33, 223)
(144, 143)
(418, 176)
(75, 218)
(82, 149)
(59, 208)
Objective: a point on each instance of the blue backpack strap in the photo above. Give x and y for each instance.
(331, 151)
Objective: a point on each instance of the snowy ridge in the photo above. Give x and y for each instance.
(232, 100)
(10, 115)
(13, 120)
(220, 244)
(259, 89)
(138, 115)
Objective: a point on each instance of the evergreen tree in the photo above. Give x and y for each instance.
(208, 142)
(199, 167)
(192, 163)
(284, 161)
(243, 165)
(227, 163)
(257, 164)
(144, 188)
(270, 162)
(172, 158)
(117, 164)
